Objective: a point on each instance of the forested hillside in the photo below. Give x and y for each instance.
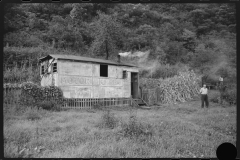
(199, 36)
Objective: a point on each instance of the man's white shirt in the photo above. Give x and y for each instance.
(203, 90)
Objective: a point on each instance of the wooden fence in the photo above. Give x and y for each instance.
(87, 103)
(149, 96)
(12, 96)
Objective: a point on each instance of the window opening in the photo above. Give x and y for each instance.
(54, 67)
(103, 70)
(42, 69)
(124, 74)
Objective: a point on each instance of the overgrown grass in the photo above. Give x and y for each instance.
(135, 128)
(108, 120)
(182, 130)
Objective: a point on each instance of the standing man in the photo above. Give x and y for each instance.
(204, 96)
(220, 81)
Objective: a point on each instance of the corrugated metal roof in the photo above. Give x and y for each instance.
(86, 59)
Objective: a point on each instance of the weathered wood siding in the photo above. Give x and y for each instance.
(49, 79)
(82, 80)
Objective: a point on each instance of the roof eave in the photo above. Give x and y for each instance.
(46, 57)
(55, 57)
(97, 62)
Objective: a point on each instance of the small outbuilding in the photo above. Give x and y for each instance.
(90, 78)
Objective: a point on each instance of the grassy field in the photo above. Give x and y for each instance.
(181, 130)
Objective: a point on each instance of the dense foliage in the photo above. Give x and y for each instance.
(35, 95)
(200, 36)
(193, 34)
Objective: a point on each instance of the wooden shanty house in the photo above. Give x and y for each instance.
(91, 80)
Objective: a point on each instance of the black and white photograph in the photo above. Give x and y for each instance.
(119, 80)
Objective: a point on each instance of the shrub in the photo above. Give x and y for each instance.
(135, 128)
(108, 120)
(215, 100)
(214, 96)
(49, 105)
(230, 96)
(21, 74)
(26, 99)
(98, 106)
(30, 93)
(33, 94)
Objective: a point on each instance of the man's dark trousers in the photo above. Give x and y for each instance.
(204, 98)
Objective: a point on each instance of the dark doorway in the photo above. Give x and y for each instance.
(134, 85)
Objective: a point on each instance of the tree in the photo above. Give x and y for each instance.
(64, 34)
(202, 60)
(108, 35)
(88, 11)
(14, 17)
(175, 52)
(189, 40)
(142, 38)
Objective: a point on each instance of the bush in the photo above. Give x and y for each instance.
(215, 100)
(98, 106)
(135, 129)
(214, 96)
(18, 74)
(49, 105)
(108, 120)
(41, 96)
(230, 96)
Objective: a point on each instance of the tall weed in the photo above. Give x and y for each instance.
(108, 120)
(20, 74)
(230, 96)
(32, 114)
(134, 128)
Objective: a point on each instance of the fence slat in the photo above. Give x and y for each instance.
(87, 103)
